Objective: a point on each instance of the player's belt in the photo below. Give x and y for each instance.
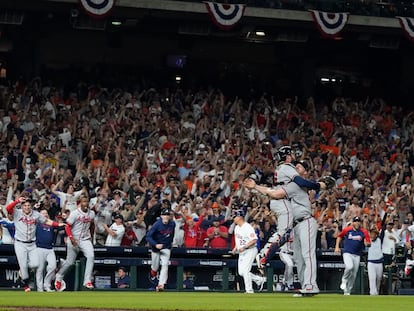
(299, 220)
(27, 242)
(280, 183)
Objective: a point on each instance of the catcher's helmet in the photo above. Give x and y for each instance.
(283, 152)
(297, 149)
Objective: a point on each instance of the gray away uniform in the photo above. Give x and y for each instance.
(80, 223)
(304, 241)
(282, 209)
(25, 240)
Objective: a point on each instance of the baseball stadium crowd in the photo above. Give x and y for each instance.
(135, 151)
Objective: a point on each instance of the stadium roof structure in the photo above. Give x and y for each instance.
(157, 32)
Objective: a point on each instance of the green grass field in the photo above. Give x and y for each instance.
(12, 300)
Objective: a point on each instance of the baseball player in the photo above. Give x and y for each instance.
(160, 238)
(245, 246)
(375, 262)
(286, 256)
(286, 173)
(45, 236)
(25, 220)
(355, 239)
(79, 229)
(304, 225)
(283, 175)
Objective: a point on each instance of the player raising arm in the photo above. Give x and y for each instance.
(79, 229)
(25, 219)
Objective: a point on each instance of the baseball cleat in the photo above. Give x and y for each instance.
(27, 288)
(309, 291)
(60, 286)
(89, 285)
(153, 279)
(304, 294)
(160, 288)
(260, 284)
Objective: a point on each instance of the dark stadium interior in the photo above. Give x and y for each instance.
(290, 60)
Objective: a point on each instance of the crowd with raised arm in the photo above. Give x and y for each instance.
(136, 151)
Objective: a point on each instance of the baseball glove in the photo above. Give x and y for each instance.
(329, 181)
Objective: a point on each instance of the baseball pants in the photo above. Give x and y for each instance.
(26, 254)
(281, 208)
(288, 276)
(47, 259)
(375, 276)
(351, 262)
(161, 258)
(244, 266)
(86, 247)
(304, 253)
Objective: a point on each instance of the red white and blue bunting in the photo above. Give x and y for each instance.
(329, 24)
(407, 24)
(97, 8)
(225, 16)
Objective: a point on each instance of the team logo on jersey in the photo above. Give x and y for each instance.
(354, 237)
(84, 219)
(27, 220)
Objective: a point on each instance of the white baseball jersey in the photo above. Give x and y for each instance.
(70, 199)
(243, 235)
(26, 224)
(115, 240)
(80, 223)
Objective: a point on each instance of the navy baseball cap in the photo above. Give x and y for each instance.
(238, 212)
(356, 218)
(303, 163)
(118, 216)
(166, 211)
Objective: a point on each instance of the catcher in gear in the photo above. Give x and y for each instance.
(304, 225)
(285, 174)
